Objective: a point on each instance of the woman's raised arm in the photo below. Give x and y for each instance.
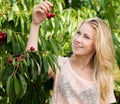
(39, 14)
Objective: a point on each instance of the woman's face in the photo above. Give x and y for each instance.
(83, 41)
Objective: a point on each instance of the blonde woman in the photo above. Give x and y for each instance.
(85, 77)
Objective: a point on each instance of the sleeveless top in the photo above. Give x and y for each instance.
(69, 88)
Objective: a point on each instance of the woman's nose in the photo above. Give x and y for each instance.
(79, 39)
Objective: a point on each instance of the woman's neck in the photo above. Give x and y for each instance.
(82, 61)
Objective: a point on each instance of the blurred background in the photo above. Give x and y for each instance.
(19, 83)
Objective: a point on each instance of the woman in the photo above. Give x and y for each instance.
(85, 77)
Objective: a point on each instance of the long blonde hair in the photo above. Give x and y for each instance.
(104, 56)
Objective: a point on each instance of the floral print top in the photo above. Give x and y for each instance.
(69, 88)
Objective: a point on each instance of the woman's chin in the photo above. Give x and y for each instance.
(77, 53)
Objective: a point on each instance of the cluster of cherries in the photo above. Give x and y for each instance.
(3, 37)
(50, 15)
(17, 57)
(9, 60)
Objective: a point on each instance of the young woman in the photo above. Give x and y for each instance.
(85, 77)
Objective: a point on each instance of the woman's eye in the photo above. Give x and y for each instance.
(87, 37)
(78, 32)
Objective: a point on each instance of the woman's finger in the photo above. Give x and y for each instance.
(46, 6)
(49, 3)
(39, 10)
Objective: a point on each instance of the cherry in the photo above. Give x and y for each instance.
(49, 16)
(53, 15)
(1, 37)
(9, 60)
(1, 42)
(17, 58)
(32, 48)
(2, 33)
(4, 36)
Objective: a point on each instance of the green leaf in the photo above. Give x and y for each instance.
(117, 56)
(1, 68)
(89, 2)
(23, 86)
(16, 21)
(9, 86)
(9, 35)
(51, 62)
(60, 7)
(22, 67)
(21, 44)
(57, 25)
(16, 86)
(32, 63)
(34, 72)
(43, 41)
(1, 73)
(102, 3)
(15, 7)
(22, 24)
(54, 46)
(35, 55)
(33, 69)
(45, 64)
(11, 16)
(55, 59)
(23, 3)
(8, 71)
(16, 47)
(27, 59)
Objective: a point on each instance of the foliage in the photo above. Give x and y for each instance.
(19, 79)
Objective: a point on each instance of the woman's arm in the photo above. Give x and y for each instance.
(39, 15)
(33, 37)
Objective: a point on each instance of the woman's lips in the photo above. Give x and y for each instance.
(78, 46)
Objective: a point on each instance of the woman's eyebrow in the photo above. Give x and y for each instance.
(86, 34)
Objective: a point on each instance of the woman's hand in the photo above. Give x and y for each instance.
(40, 12)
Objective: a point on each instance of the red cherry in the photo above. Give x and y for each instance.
(17, 58)
(48, 15)
(53, 15)
(9, 60)
(32, 48)
(5, 36)
(1, 42)
(1, 37)
(2, 32)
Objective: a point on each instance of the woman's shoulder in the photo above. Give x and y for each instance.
(62, 59)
